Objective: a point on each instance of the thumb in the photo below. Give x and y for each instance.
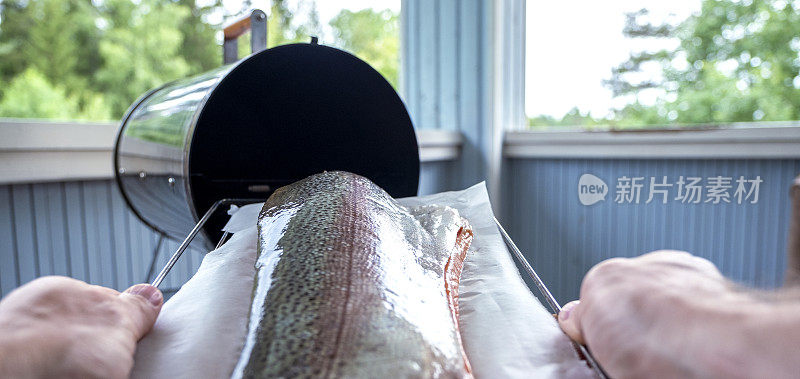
(569, 319)
(142, 303)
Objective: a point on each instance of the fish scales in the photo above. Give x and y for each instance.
(352, 284)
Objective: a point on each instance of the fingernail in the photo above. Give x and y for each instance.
(565, 311)
(152, 294)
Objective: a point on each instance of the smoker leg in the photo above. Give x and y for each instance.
(793, 246)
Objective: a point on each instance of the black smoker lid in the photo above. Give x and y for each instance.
(295, 110)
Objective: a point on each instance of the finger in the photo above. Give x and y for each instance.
(666, 256)
(707, 267)
(105, 290)
(569, 319)
(142, 304)
(682, 258)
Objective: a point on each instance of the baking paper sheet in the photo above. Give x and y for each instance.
(506, 331)
(201, 329)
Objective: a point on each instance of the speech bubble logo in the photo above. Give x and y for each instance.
(591, 189)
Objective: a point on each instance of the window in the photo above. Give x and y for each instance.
(649, 63)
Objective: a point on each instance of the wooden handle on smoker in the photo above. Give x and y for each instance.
(256, 23)
(793, 246)
(233, 31)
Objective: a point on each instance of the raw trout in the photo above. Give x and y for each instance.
(351, 284)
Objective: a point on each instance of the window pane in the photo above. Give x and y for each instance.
(629, 64)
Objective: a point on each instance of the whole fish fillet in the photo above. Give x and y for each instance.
(352, 284)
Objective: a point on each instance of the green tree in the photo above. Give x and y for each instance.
(94, 58)
(737, 61)
(199, 48)
(31, 95)
(140, 50)
(104, 54)
(285, 27)
(57, 38)
(573, 118)
(372, 36)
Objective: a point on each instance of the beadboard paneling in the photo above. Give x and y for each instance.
(564, 238)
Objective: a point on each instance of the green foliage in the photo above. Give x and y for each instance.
(81, 59)
(30, 94)
(199, 48)
(759, 41)
(99, 56)
(572, 118)
(372, 36)
(283, 26)
(738, 61)
(56, 38)
(141, 50)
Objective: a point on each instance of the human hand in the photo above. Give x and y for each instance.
(61, 327)
(662, 314)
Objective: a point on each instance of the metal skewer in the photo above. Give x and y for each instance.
(549, 298)
(197, 227)
(222, 240)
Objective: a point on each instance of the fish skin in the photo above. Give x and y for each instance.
(352, 284)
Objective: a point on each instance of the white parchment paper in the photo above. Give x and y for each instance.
(506, 331)
(201, 329)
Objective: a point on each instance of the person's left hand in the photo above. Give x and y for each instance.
(62, 327)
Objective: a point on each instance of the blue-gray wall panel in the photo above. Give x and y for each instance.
(24, 232)
(122, 243)
(428, 74)
(9, 268)
(436, 177)
(59, 239)
(475, 88)
(42, 229)
(99, 233)
(564, 238)
(447, 72)
(78, 229)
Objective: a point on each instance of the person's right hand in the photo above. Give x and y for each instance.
(62, 327)
(650, 316)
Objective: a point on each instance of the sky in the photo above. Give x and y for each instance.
(572, 45)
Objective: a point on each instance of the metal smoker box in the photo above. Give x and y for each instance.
(245, 129)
